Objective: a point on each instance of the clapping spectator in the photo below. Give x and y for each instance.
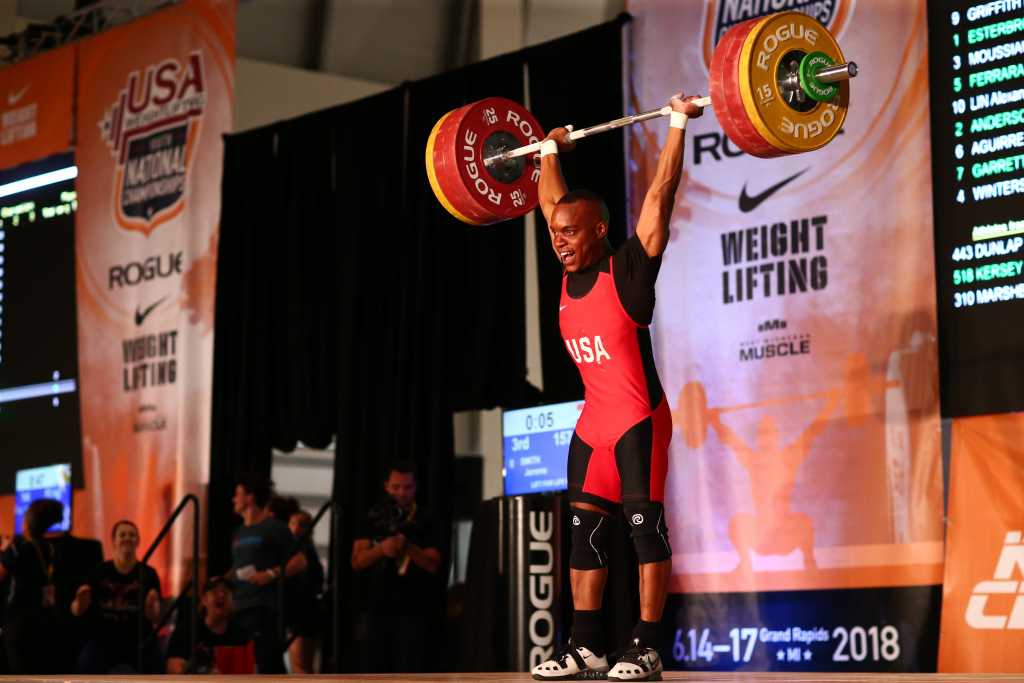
(111, 600)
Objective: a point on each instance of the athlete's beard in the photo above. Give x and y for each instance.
(595, 252)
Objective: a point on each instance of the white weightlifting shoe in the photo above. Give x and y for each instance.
(638, 663)
(577, 663)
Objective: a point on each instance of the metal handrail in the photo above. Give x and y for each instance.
(297, 545)
(188, 498)
(170, 610)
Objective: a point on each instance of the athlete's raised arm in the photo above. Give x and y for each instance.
(552, 186)
(652, 226)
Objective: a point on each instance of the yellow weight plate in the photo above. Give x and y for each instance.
(795, 127)
(432, 176)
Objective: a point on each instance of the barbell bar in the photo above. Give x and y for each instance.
(829, 74)
(778, 83)
(575, 135)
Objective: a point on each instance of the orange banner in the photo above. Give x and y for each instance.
(982, 604)
(155, 98)
(35, 112)
(795, 332)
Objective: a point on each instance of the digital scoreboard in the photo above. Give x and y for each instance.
(40, 422)
(976, 64)
(535, 444)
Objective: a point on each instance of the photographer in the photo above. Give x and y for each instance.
(397, 547)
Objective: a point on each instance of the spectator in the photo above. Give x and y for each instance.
(259, 548)
(398, 547)
(222, 647)
(110, 601)
(302, 606)
(282, 508)
(31, 617)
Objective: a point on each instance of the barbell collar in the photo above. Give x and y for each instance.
(832, 74)
(593, 130)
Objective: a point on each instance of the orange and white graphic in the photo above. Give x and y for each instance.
(35, 106)
(798, 293)
(983, 592)
(155, 98)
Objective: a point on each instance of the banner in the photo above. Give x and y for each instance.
(982, 608)
(35, 112)
(155, 97)
(795, 339)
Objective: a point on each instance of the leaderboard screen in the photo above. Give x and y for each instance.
(39, 407)
(976, 64)
(536, 447)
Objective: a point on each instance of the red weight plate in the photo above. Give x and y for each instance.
(716, 86)
(737, 125)
(727, 98)
(759, 145)
(432, 174)
(488, 126)
(725, 106)
(446, 170)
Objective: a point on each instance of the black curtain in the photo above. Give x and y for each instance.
(275, 362)
(577, 80)
(431, 311)
(349, 302)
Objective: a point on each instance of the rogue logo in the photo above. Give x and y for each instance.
(135, 272)
(151, 131)
(1002, 583)
(722, 15)
(541, 626)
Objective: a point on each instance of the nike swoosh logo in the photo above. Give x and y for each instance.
(562, 308)
(748, 203)
(140, 316)
(12, 98)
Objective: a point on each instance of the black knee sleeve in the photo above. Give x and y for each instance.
(589, 539)
(648, 531)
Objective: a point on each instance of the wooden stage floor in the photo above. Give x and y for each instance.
(522, 677)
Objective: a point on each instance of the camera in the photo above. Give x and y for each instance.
(388, 518)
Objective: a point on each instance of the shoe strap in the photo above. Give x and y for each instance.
(574, 652)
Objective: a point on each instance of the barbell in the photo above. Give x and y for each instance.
(779, 86)
(692, 414)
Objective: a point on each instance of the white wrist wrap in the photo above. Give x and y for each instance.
(548, 147)
(678, 120)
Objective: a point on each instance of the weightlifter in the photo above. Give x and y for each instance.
(618, 453)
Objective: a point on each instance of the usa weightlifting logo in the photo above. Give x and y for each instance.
(151, 131)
